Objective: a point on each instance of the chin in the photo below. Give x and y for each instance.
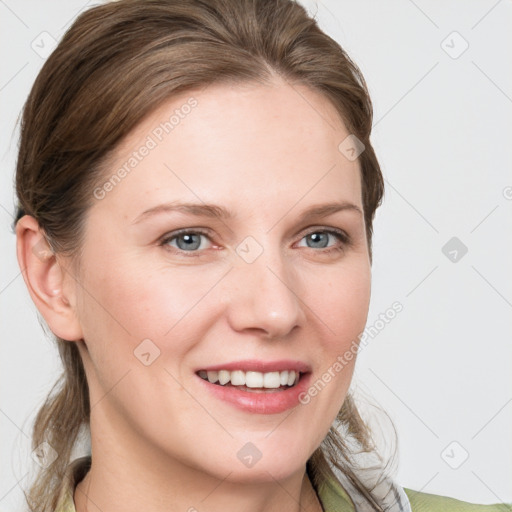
(264, 472)
(273, 465)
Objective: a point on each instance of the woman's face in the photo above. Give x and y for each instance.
(270, 285)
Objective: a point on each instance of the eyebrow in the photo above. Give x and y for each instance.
(222, 213)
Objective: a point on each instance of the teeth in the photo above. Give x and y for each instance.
(238, 378)
(270, 380)
(224, 377)
(212, 377)
(254, 379)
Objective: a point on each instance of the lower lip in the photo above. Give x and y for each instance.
(271, 402)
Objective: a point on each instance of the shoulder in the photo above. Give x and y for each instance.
(425, 502)
(334, 498)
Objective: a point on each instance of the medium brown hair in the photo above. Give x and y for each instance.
(114, 66)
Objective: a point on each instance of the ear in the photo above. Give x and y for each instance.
(47, 280)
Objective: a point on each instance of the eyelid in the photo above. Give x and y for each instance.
(315, 228)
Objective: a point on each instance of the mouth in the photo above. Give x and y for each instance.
(252, 381)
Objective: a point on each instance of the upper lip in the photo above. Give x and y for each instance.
(260, 366)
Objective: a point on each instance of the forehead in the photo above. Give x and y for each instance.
(243, 145)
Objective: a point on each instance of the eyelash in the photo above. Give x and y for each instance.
(341, 235)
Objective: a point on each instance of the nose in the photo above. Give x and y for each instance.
(265, 296)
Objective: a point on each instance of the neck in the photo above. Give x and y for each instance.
(98, 498)
(129, 476)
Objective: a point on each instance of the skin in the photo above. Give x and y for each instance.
(159, 442)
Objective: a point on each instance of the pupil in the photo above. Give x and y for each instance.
(316, 236)
(189, 241)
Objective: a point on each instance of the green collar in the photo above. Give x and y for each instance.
(334, 498)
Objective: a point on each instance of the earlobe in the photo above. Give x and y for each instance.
(45, 278)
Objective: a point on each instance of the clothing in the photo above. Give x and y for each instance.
(331, 494)
(334, 499)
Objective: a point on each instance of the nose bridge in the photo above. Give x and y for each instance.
(265, 296)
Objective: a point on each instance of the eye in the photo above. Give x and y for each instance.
(189, 241)
(320, 238)
(186, 241)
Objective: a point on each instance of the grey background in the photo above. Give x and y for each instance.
(442, 132)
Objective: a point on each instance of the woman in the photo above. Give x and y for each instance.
(196, 192)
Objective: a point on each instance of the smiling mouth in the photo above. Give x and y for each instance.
(255, 382)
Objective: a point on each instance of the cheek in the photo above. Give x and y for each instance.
(126, 304)
(340, 299)
(129, 302)
(339, 312)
